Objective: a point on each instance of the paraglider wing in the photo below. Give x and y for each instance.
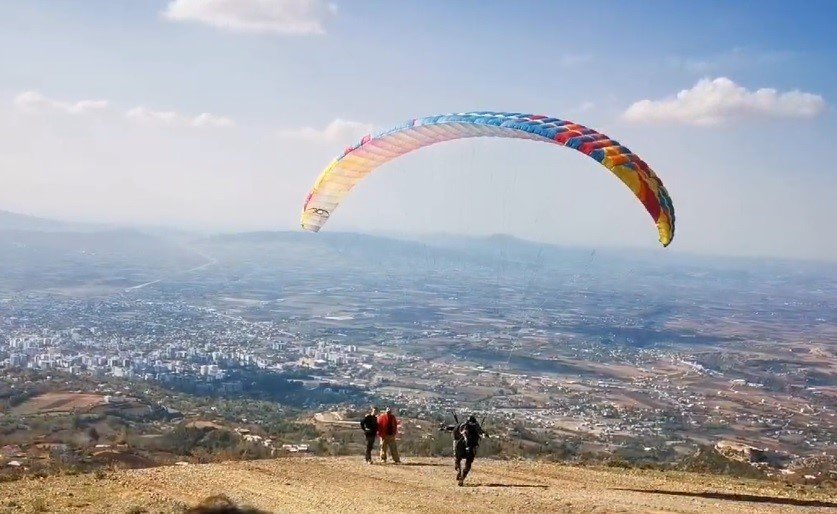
(356, 162)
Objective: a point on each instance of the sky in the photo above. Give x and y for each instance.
(219, 114)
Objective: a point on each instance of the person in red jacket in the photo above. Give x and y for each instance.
(387, 430)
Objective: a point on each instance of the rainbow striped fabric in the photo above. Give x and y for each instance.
(358, 161)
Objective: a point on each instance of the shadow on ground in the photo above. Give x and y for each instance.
(433, 464)
(220, 505)
(537, 486)
(740, 497)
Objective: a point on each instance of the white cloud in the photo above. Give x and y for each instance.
(575, 59)
(711, 102)
(149, 117)
(34, 101)
(212, 120)
(585, 106)
(735, 59)
(337, 131)
(175, 119)
(256, 16)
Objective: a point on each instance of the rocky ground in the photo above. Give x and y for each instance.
(310, 484)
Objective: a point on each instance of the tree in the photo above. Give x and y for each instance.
(93, 434)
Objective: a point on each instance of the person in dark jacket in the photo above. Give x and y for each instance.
(369, 425)
(466, 447)
(458, 448)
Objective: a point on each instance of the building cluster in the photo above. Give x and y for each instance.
(561, 383)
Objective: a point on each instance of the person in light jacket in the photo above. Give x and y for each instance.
(387, 430)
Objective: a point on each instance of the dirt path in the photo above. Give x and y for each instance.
(421, 485)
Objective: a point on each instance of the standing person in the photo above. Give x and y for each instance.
(467, 447)
(458, 448)
(458, 443)
(387, 430)
(369, 425)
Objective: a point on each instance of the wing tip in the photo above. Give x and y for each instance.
(666, 231)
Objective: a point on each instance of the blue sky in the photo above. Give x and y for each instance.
(748, 173)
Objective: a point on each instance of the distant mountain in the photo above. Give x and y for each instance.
(374, 248)
(42, 253)
(325, 250)
(498, 243)
(340, 241)
(48, 255)
(15, 221)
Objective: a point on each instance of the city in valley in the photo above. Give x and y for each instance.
(568, 353)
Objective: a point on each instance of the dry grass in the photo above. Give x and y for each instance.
(52, 403)
(420, 485)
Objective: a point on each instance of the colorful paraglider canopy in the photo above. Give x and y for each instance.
(358, 161)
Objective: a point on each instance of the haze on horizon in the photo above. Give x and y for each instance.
(219, 115)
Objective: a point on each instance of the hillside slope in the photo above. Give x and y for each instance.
(419, 485)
